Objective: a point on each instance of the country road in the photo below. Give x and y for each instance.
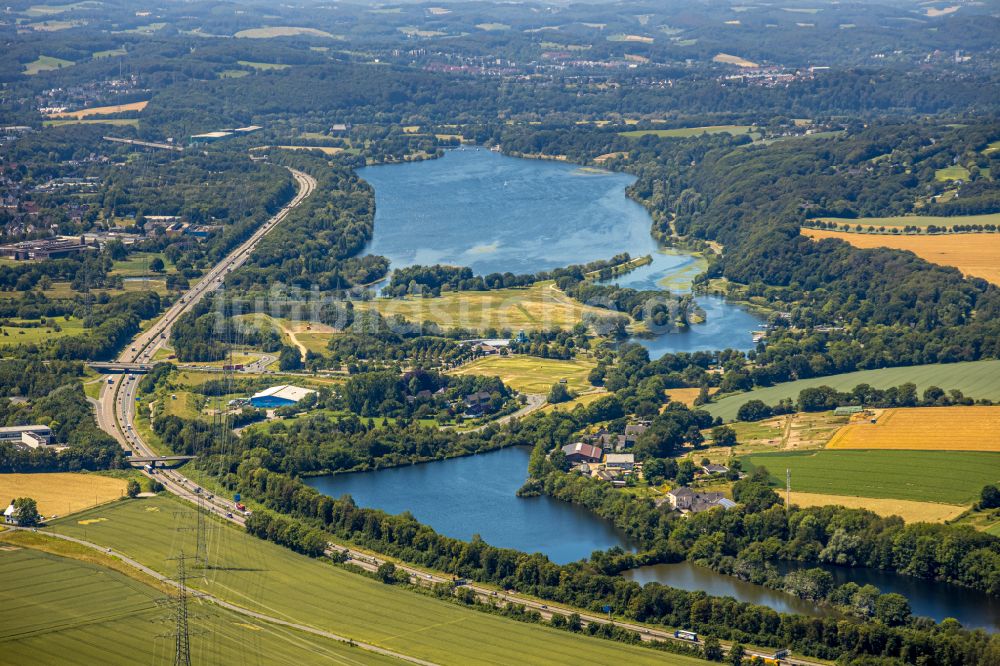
(116, 414)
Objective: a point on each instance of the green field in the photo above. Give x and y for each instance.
(55, 609)
(538, 307)
(914, 220)
(11, 336)
(686, 132)
(120, 122)
(530, 374)
(137, 265)
(977, 379)
(110, 53)
(957, 172)
(263, 66)
(951, 477)
(45, 63)
(266, 577)
(233, 73)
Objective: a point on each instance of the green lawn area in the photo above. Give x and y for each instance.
(137, 264)
(957, 172)
(915, 220)
(685, 132)
(55, 609)
(119, 122)
(977, 379)
(950, 477)
(539, 307)
(36, 11)
(45, 63)
(13, 335)
(531, 374)
(110, 53)
(266, 577)
(264, 66)
(992, 148)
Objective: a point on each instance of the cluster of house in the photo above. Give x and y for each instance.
(601, 455)
(28, 436)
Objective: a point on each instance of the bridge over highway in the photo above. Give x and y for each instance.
(154, 460)
(117, 367)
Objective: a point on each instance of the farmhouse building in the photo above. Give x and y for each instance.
(713, 468)
(622, 462)
(581, 452)
(8, 515)
(685, 500)
(279, 396)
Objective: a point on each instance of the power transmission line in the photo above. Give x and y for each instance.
(182, 637)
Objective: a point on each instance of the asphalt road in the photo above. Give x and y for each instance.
(116, 414)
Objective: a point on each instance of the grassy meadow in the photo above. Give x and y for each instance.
(530, 374)
(977, 379)
(44, 63)
(914, 220)
(687, 132)
(23, 332)
(263, 576)
(541, 306)
(976, 255)
(948, 477)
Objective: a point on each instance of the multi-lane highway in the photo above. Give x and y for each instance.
(116, 414)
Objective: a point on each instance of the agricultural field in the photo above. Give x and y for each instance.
(100, 110)
(262, 66)
(118, 122)
(109, 53)
(925, 429)
(280, 31)
(137, 265)
(640, 39)
(493, 27)
(263, 576)
(61, 493)
(44, 63)
(728, 59)
(53, 606)
(16, 332)
(530, 374)
(687, 132)
(957, 172)
(976, 379)
(541, 306)
(908, 510)
(977, 255)
(233, 73)
(686, 396)
(947, 477)
(36, 11)
(914, 220)
(326, 150)
(582, 399)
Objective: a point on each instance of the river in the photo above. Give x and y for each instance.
(494, 213)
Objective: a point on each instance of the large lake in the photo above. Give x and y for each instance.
(494, 213)
(460, 497)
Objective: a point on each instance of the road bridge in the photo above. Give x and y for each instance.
(118, 367)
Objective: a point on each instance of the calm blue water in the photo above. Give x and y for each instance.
(495, 213)
(476, 495)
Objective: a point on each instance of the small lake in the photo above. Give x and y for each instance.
(494, 213)
(974, 609)
(937, 600)
(691, 577)
(460, 497)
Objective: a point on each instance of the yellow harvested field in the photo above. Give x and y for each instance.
(977, 255)
(910, 511)
(541, 306)
(924, 429)
(531, 374)
(61, 493)
(727, 59)
(687, 395)
(100, 110)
